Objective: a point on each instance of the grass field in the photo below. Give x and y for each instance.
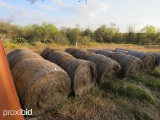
(136, 98)
(40, 46)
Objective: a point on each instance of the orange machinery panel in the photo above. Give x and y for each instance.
(9, 102)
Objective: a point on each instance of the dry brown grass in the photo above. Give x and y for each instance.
(40, 46)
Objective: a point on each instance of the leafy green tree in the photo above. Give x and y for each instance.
(130, 36)
(106, 34)
(149, 35)
(73, 35)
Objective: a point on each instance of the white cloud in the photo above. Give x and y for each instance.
(91, 9)
(81, 13)
(22, 15)
(60, 12)
(3, 4)
(60, 3)
(49, 7)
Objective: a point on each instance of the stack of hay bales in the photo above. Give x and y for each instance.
(147, 58)
(130, 65)
(82, 73)
(106, 67)
(41, 85)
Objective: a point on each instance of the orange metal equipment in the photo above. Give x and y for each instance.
(9, 102)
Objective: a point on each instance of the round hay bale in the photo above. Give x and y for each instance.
(41, 85)
(119, 50)
(45, 52)
(80, 54)
(147, 58)
(19, 54)
(106, 53)
(106, 67)
(92, 50)
(71, 50)
(58, 57)
(82, 73)
(157, 59)
(130, 65)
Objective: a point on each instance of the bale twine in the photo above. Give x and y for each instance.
(82, 73)
(147, 58)
(19, 54)
(106, 67)
(71, 50)
(41, 85)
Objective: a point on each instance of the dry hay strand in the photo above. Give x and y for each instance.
(46, 52)
(71, 50)
(41, 85)
(19, 54)
(81, 54)
(106, 68)
(59, 56)
(130, 65)
(82, 73)
(147, 58)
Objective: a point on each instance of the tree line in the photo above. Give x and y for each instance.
(49, 33)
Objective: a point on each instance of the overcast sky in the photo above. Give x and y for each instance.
(95, 13)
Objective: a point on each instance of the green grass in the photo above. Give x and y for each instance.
(131, 90)
(150, 81)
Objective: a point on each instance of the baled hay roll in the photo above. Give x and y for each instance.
(147, 58)
(58, 57)
(71, 50)
(157, 59)
(41, 85)
(81, 54)
(46, 52)
(92, 50)
(130, 65)
(119, 50)
(106, 53)
(82, 73)
(106, 67)
(19, 54)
